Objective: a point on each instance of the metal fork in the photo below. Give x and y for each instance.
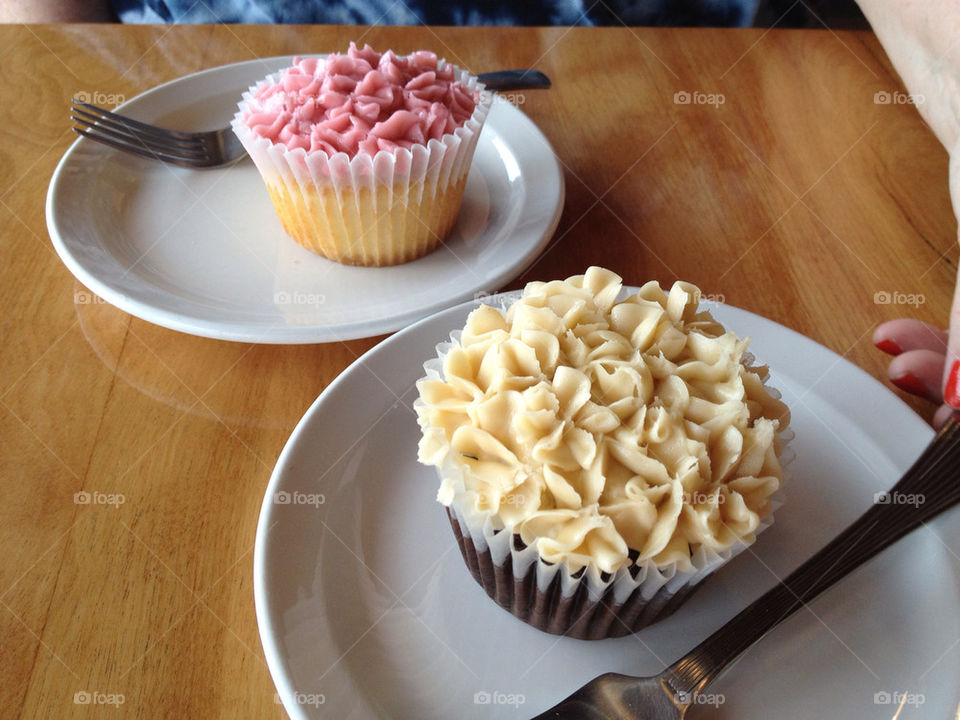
(219, 147)
(929, 487)
(189, 149)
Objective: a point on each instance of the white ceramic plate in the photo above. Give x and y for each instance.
(366, 609)
(202, 251)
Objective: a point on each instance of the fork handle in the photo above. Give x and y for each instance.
(932, 484)
(514, 80)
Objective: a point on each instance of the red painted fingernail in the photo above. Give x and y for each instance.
(908, 382)
(951, 393)
(889, 347)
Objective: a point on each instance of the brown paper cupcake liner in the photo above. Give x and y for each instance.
(582, 615)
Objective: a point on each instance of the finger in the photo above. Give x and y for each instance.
(944, 413)
(951, 368)
(897, 336)
(918, 372)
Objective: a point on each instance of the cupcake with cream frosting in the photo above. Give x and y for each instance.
(365, 154)
(599, 457)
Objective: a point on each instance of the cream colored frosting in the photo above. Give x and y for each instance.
(590, 427)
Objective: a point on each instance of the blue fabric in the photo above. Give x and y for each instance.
(721, 13)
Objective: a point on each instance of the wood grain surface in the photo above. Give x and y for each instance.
(799, 197)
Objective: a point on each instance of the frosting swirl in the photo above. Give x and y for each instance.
(605, 433)
(360, 102)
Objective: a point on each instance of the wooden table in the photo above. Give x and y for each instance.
(799, 197)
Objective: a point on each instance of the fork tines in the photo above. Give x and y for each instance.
(123, 133)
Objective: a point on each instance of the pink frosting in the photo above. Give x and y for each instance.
(361, 102)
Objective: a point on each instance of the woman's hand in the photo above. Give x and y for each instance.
(920, 37)
(919, 356)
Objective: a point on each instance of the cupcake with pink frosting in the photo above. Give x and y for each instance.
(365, 154)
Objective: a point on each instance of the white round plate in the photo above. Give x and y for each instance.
(203, 252)
(367, 610)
